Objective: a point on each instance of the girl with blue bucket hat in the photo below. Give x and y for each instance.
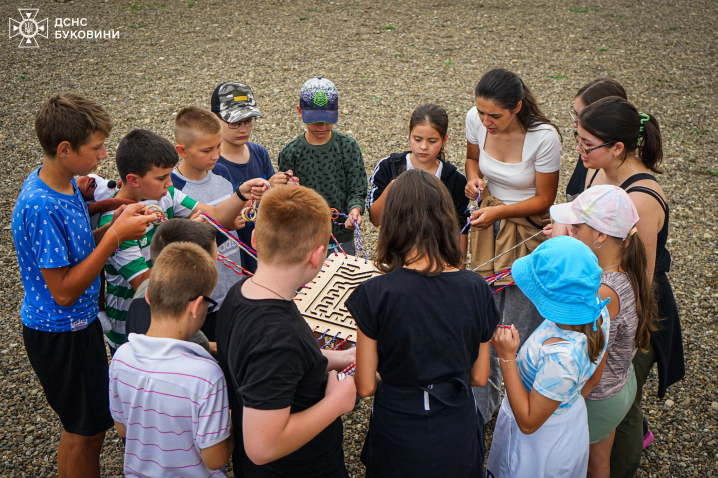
(542, 427)
(604, 218)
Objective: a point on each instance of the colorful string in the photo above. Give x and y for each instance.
(230, 236)
(507, 251)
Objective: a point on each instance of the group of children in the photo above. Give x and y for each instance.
(208, 364)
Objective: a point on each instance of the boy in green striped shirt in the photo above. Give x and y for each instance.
(145, 161)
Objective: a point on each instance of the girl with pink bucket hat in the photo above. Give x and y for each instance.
(604, 218)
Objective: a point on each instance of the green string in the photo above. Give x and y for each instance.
(644, 118)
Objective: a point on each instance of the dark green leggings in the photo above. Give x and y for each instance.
(628, 444)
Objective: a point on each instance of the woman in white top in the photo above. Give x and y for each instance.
(511, 143)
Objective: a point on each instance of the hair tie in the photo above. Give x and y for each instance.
(632, 231)
(644, 118)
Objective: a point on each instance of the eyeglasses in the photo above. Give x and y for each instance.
(248, 123)
(211, 304)
(574, 116)
(586, 152)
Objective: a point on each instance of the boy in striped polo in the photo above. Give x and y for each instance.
(168, 396)
(145, 161)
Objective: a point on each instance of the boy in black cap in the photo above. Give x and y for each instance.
(328, 161)
(235, 105)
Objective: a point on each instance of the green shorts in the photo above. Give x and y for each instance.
(605, 415)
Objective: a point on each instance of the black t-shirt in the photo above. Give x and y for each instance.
(427, 329)
(271, 361)
(138, 317)
(577, 183)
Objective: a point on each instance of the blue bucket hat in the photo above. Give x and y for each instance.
(561, 277)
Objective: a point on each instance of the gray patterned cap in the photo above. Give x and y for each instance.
(319, 101)
(234, 102)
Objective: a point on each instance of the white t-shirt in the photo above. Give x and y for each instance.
(410, 166)
(172, 398)
(512, 183)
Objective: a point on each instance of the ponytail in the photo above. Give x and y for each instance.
(595, 339)
(506, 89)
(615, 119)
(634, 262)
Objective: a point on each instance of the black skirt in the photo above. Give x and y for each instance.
(431, 432)
(667, 341)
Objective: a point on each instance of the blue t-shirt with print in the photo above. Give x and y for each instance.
(258, 166)
(52, 230)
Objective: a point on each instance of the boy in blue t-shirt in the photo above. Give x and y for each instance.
(235, 105)
(61, 258)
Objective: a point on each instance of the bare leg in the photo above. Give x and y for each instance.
(599, 458)
(78, 456)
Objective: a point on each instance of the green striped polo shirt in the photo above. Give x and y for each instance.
(131, 260)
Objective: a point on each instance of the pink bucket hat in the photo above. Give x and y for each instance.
(606, 208)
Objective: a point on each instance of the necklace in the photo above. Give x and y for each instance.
(611, 267)
(267, 288)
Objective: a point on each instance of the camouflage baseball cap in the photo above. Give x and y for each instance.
(234, 102)
(319, 101)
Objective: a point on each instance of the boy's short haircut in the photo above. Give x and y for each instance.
(141, 150)
(183, 272)
(182, 230)
(69, 117)
(292, 221)
(192, 122)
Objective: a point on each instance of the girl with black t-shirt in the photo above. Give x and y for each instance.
(423, 339)
(622, 146)
(587, 94)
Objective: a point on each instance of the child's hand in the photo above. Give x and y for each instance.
(560, 229)
(238, 223)
(548, 231)
(506, 341)
(132, 224)
(254, 187)
(485, 217)
(350, 355)
(473, 188)
(342, 392)
(281, 178)
(354, 215)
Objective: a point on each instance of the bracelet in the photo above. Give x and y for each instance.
(504, 360)
(118, 239)
(239, 193)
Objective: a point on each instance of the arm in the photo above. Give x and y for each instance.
(592, 382)
(225, 213)
(272, 434)
(67, 284)
(473, 172)
(340, 359)
(366, 376)
(357, 183)
(546, 189)
(381, 181)
(479, 375)
(649, 225)
(531, 410)
(121, 430)
(216, 456)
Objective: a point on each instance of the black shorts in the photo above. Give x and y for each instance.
(73, 371)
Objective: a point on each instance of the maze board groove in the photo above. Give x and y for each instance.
(322, 302)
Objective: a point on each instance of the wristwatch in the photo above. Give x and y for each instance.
(239, 193)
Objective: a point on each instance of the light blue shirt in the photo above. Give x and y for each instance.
(558, 371)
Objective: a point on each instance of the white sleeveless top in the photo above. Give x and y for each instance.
(512, 183)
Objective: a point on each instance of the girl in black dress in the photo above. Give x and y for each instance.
(423, 339)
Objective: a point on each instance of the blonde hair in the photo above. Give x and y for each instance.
(192, 122)
(292, 221)
(183, 271)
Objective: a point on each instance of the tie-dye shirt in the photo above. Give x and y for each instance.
(558, 371)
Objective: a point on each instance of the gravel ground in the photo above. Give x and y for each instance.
(386, 59)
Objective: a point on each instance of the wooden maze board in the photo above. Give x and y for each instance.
(322, 303)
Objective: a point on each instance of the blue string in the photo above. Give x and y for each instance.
(468, 219)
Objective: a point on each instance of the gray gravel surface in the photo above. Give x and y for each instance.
(386, 58)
